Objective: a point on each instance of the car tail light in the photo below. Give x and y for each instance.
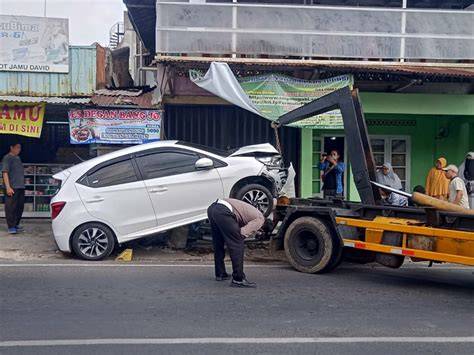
(56, 209)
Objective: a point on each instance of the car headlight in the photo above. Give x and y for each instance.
(271, 161)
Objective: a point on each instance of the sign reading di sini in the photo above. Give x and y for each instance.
(34, 44)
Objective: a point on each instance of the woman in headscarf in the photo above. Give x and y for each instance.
(436, 181)
(466, 172)
(388, 177)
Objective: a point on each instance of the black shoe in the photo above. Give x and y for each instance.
(223, 277)
(243, 283)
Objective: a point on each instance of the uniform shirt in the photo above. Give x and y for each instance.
(457, 184)
(13, 166)
(249, 218)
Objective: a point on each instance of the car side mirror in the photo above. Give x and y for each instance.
(204, 164)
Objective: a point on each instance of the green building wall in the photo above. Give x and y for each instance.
(439, 125)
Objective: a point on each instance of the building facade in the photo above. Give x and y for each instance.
(411, 61)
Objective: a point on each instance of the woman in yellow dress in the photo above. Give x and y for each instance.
(436, 181)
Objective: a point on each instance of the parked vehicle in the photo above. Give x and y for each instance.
(154, 187)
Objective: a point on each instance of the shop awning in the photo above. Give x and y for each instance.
(48, 100)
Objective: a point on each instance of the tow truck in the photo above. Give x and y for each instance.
(317, 233)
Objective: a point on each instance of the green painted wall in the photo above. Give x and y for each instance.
(306, 171)
(433, 134)
(417, 104)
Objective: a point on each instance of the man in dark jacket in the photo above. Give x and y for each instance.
(231, 222)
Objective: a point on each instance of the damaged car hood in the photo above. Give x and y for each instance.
(249, 150)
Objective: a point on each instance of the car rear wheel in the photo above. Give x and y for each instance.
(93, 241)
(258, 196)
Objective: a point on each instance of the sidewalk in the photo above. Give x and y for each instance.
(37, 243)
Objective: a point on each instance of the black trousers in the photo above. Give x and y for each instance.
(226, 231)
(14, 206)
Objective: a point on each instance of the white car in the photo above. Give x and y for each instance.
(154, 187)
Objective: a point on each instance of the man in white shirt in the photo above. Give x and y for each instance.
(457, 188)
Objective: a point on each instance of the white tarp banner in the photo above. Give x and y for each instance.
(220, 81)
(35, 44)
(272, 95)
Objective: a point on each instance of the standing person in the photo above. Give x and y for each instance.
(436, 182)
(231, 222)
(333, 171)
(388, 177)
(14, 184)
(466, 172)
(457, 188)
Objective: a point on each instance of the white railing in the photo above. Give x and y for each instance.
(314, 31)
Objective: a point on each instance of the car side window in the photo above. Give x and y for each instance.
(167, 163)
(117, 173)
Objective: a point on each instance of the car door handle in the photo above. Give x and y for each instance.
(95, 200)
(158, 189)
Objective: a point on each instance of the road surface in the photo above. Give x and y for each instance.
(83, 308)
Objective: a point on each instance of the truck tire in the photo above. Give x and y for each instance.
(310, 246)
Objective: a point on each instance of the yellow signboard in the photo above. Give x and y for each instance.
(22, 118)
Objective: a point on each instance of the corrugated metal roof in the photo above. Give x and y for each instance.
(109, 92)
(142, 101)
(434, 69)
(48, 100)
(80, 81)
(142, 14)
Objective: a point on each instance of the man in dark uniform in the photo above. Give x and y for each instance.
(231, 222)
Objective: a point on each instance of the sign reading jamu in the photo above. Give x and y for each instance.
(24, 119)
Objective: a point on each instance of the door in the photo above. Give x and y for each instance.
(180, 194)
(337, 143)
(114, 194)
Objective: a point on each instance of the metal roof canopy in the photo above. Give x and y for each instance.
(48, 100)
(460, 70)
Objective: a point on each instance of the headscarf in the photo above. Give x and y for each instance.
(391, 179)
(466, 170)
(437, 183)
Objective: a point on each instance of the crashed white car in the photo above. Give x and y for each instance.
(154, 187)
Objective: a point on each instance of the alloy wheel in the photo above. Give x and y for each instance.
(93, 242)
(258, 199)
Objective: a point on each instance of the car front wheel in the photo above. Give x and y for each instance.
(93, 241)
(258, 196)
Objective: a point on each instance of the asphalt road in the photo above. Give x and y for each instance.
(82, 308)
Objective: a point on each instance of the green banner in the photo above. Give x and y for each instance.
(275, 95)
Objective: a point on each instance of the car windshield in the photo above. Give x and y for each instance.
(215, 151)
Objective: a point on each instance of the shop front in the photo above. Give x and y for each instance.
(46, 148)
(409, 131)
(67, 134)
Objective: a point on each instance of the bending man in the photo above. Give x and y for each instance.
(231, 222)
